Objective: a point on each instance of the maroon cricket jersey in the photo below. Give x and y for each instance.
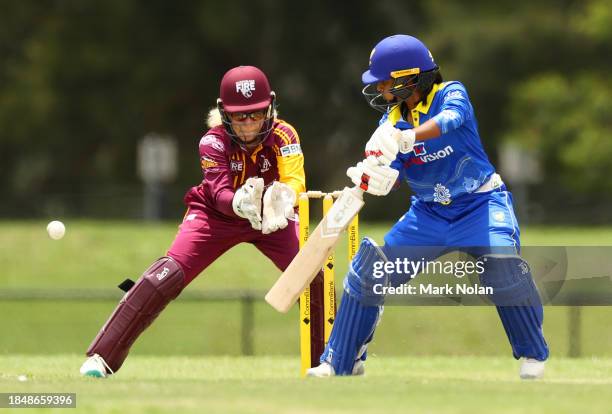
(226, 166)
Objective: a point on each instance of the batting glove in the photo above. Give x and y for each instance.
(405, 140)
(372, 177)
(278, 202)
(387, 140)
(247, 201)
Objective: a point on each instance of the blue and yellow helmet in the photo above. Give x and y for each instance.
(407, 61)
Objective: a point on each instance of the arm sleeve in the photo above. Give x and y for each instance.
(216, 174)
(289, 158)
(455, 110)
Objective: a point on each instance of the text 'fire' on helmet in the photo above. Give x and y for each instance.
(246, 89)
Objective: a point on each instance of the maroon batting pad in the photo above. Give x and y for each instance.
(159, 284)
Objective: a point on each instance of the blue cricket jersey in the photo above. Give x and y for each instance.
(455, 163)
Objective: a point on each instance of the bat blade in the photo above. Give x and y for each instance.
(309, 260)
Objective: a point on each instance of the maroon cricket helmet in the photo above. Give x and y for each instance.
(245, 89)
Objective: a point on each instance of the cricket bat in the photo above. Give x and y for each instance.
(309, 260)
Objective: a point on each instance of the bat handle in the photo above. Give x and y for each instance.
(357, 191)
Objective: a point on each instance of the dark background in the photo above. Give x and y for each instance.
(81, 82)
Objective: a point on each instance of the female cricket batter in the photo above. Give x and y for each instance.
(251, 163)
(429, 135)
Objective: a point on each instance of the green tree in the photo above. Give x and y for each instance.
(564, 115)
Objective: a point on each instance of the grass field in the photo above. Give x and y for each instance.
(423, 359)
(98, 255)
(269, 385)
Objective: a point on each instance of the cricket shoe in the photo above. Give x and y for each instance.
(531, 368)
(95, 366)
(326, 370)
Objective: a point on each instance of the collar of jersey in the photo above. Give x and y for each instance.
(425, 108)
(395, 113)
(268, 142)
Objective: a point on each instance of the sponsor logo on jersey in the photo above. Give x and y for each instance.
(290, 149)
(245, 87)
(438, 155)
(265, 164)
(236, 166)
(212, 141)
(419, 149)
(454, 95)
(208, 163)
(422, 157)
(441, 194)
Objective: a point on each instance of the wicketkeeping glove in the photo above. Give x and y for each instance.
(278, 202)
(387, 140)
(247, 201)
(372, 177)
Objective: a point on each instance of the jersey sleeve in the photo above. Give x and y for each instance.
(455, 110)
(289, 157)
(216, 174)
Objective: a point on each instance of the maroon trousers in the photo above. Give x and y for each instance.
(201, 239)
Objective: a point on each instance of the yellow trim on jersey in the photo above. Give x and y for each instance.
(244, 167)
(396, 114)
(285, 124)
(425, 108)
(291, 167)
(282, 135)
(291, 172)
(234, 158)
(254, 154)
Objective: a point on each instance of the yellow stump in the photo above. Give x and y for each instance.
(353, 238)
(303, 205)
(329, 289)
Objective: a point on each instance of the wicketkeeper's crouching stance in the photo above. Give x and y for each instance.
(251, 162)
(429, 135)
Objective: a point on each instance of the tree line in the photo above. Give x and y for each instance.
(82, 81)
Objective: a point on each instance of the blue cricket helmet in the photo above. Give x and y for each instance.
(398, 55)
(405, 60)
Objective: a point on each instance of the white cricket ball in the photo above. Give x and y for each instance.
(22, 378)
(56, 230)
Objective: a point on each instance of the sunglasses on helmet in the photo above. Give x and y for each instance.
(242, 116)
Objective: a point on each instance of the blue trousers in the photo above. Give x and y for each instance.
(473, 223)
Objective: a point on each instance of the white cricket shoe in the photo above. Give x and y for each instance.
(359, 367)
(531, 368)
(326, 370)
(95, 366)
(323, 370)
